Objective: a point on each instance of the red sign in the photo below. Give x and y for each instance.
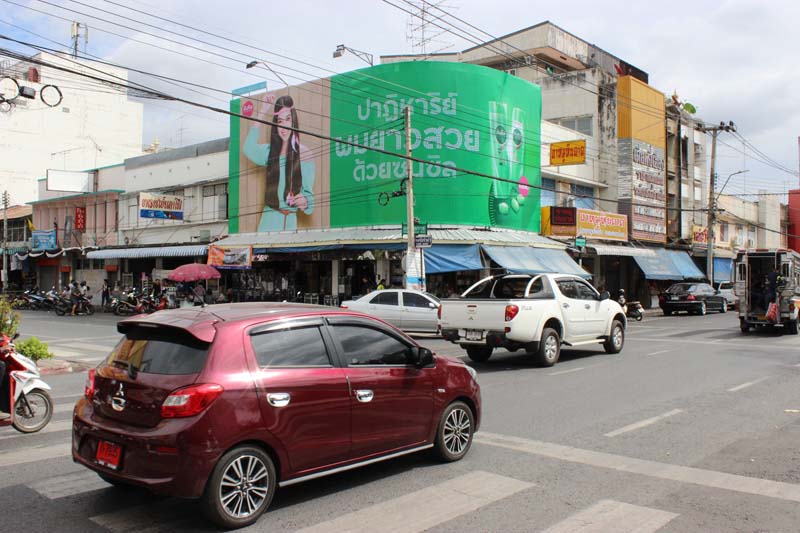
(562, 216)
(80, 218)
(248, 108)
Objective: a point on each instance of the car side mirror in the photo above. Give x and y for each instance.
(605, 295)
(432, 305)
(421, 357)
(15, 337)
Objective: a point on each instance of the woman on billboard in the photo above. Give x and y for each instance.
(290, 167)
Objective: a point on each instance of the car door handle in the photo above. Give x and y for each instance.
(364, 396)
(588, 306)
(279, 399)
(565, 305)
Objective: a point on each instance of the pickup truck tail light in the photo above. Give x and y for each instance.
(511, 312)
(691, 298)
(439, 312)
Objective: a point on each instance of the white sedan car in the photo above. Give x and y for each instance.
(406, 309)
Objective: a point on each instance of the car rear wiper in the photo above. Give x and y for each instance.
(130, 367)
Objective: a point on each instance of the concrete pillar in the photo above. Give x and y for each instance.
(335, 267)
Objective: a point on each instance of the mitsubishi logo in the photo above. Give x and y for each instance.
(118, 401)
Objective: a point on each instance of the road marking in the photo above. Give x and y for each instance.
(797, 365)
(84, 346)
(63, 408)
(745, 385)
(69, 485)
(610, 515)
(643, 423)
(147, 516)
(567, 371)
(656, 353)
(68, 396)
(654, 469)
(443, 502)
(32, 455)
(52, 427)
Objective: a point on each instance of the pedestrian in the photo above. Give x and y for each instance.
(382, 284)
(157, 288)
(366, 285)
(74, 295)
(105, 294)
(774, 279)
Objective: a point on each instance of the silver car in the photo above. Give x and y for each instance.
(725, 288)
(406, 309)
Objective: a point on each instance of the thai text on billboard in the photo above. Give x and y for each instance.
(160, 206)
(568, 153)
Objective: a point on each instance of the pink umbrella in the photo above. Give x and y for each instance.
(194, 272)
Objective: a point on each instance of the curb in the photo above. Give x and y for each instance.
(60, 366)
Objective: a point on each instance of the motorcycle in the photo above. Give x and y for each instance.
(128, 304)
(633, 309)
(21, 386)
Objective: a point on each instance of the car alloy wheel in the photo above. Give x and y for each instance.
(241, 487)
(702, 308)
(454, 436)
(244, 486)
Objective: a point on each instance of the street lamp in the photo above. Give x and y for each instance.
(729, 179)
(256, 62)
(341, 49)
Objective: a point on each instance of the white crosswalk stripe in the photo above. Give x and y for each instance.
(69, 485)
(52, 427)
(443, 502)
(142, 517)
(619, 517)
(32, 455)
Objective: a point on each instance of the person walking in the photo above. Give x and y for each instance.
(382, 284)
(105, 294)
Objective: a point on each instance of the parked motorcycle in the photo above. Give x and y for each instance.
(632, 310)
(21, 386)
(128, 304)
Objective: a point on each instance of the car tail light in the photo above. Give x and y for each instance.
(190, 401)
(511, 312)
(343, 307)
(439, 312)
(88, 387)
(691, 298)
(661, 298)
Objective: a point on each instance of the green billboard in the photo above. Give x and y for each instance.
(465, 119)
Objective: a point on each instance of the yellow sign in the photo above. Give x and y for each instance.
(602, 225)
(568, 153)
(574, 222)
(699, 235)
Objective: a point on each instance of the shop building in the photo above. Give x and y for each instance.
(18, 274)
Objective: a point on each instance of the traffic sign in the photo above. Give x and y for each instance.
(423, 241)
(419, 229)
(580, 242)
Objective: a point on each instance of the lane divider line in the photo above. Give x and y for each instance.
(643, 423)
(746, 385)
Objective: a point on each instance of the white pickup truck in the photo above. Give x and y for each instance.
(536, 313)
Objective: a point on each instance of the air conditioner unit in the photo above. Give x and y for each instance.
(203, 235)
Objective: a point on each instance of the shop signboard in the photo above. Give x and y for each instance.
(700, 235)
(44, 239)
(641, 159)
(423, 241)
(239, 257)
(587, 223)
(568, 153)
(464, 118)
(80, 219)
(160, 206)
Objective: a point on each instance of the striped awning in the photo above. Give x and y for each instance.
(142, 253)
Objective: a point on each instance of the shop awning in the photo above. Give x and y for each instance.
(627, 251)
(683, 262)
(722, 269)
(527, 260)
(452, 258)
(658, 266)
(141, 253)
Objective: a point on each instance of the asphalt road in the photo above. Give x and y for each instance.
(693, 427)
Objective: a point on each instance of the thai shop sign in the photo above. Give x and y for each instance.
(587, 223)
(462, 117)
(160, 206)
(240, 257)
(44, 239)
(568, 153)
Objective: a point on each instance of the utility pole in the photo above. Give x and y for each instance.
(414, 276)
(5, 240)
(712, 198)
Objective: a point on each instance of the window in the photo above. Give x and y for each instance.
(366, 346)
(567, 288)
(582, 195)
(723, 231)
(220, 189)
(585, 292)
(385, 298)
(582, 123)
(208, 190)
(291, 347)
(411, 299)
(511, 287)
(548, 192)
(154, 352)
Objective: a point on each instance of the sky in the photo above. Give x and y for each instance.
(731, 59)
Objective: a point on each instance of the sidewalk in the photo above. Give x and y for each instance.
(60, 366)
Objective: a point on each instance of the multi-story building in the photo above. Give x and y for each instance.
(17, 240)
(63, 121)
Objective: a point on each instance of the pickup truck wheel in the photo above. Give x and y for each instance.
(791, 327)
(479, 354)
(549, 347)
(616, 340)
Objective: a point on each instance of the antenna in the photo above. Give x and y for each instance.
(75, 36)
(423, 30)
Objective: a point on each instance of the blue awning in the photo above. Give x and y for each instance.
(527, 260)
(658, 266)
(722, 269)
(452, 258)
(683, 262)
(139, 253)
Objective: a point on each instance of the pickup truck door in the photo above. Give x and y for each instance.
(573, 311)
(596, 312)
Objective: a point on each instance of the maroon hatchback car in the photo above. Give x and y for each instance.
(227, 402)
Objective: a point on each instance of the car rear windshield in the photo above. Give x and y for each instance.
(159, 351)
(681, 287)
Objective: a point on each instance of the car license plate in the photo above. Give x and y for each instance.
(673, 298)
(108, 454)
(474, 335)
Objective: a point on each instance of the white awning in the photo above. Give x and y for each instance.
(627, 251)
(141, 253)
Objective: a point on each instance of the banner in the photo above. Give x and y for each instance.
(240, 257)
(568, 153)
(586, 223)
(80, 219)
(44, 239)
(700, 235)
(160, 206)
